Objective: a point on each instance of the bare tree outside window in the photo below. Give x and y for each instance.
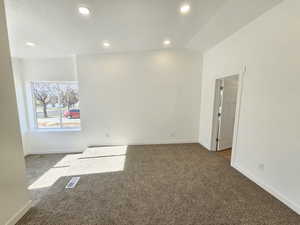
(44, 94)
(69, 97)
(56, 104)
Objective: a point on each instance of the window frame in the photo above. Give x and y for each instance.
(33, 109)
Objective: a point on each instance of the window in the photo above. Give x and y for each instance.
(56, 105)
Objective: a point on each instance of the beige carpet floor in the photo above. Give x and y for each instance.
(155, 184)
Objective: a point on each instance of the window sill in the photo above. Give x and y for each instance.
(54, 130)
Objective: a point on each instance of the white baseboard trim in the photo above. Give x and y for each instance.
(148, 142)
(41, 151)
(205, 145)
(166, 141)
(295, 207)
(13, 220)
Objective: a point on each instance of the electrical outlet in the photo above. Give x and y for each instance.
(107, 135)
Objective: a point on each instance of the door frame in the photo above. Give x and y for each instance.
(214, 130)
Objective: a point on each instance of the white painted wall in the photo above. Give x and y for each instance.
(146, 97)
(51, 69)
(22, 106)
(14, 199)
(230, 17)
(132, 98)
(268, 130)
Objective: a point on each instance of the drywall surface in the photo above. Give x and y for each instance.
(21, 103)
(268, 134)
(48, 69)
(231, 17)
(140, 98)
(13, 193)
(133, 98)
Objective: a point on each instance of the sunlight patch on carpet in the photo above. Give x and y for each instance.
(91, 161)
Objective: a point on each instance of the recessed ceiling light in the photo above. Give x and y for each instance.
(30, 44)
(185, 8)
(84, 11)
(106, 44)
(167, 42)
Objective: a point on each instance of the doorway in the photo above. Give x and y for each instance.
(226, 95)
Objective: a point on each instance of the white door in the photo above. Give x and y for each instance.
(228, 93)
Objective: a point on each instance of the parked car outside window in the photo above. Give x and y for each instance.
(72, 114)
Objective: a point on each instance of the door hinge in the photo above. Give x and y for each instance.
(221, 88)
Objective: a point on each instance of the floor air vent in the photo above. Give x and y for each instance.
(72, 183)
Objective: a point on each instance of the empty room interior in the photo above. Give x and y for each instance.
(140, 112)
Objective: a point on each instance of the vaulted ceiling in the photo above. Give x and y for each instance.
(57, 29)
